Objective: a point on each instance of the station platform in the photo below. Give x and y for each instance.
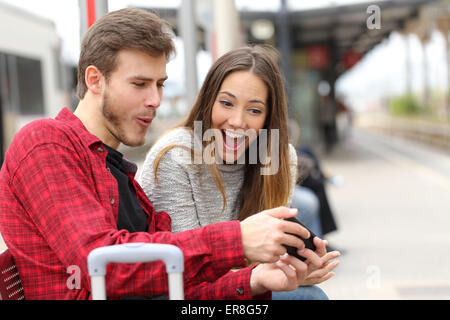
(393, 212)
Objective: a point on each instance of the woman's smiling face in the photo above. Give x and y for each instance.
(241, 104)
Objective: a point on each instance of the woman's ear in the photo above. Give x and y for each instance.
(94, 80)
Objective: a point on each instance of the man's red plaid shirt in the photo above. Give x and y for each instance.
(58, 202)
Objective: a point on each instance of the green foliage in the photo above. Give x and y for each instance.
(404, 105)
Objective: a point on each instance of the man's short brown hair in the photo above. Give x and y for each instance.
(123, 29)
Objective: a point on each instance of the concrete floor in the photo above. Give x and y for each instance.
(393, 212)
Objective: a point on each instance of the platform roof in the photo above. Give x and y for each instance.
(343, 27)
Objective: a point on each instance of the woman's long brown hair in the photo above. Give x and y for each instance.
(259, 192)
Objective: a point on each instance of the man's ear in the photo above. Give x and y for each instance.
(94, 80)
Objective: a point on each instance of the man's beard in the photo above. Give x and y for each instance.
(114, 123)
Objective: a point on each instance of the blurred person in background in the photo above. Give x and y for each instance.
(327, 121)
(312, 178)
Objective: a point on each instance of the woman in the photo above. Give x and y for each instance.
(232, 151)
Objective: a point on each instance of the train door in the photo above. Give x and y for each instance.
(3, 77)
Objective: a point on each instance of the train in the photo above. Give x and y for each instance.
(34, 81)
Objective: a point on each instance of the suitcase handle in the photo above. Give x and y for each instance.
(172, 256)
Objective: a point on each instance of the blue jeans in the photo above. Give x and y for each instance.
(308, 207)
(301, 293)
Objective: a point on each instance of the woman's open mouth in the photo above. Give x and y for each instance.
(233, 140)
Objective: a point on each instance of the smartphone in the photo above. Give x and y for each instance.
(309, 243)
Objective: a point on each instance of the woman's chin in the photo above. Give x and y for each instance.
(231, 156)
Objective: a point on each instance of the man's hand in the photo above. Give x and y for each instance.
(264, 234)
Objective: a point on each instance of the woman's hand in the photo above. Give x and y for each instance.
(327, 265)
(325, 272)
(287, 274)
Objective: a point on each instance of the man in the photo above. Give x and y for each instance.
(65, 190)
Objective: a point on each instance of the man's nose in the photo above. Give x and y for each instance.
(153, 98)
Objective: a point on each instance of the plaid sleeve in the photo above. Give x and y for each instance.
(63, 202)
(235, 285)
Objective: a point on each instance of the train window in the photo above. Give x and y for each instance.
(5, 91)
(59, 74)
(29, 76)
